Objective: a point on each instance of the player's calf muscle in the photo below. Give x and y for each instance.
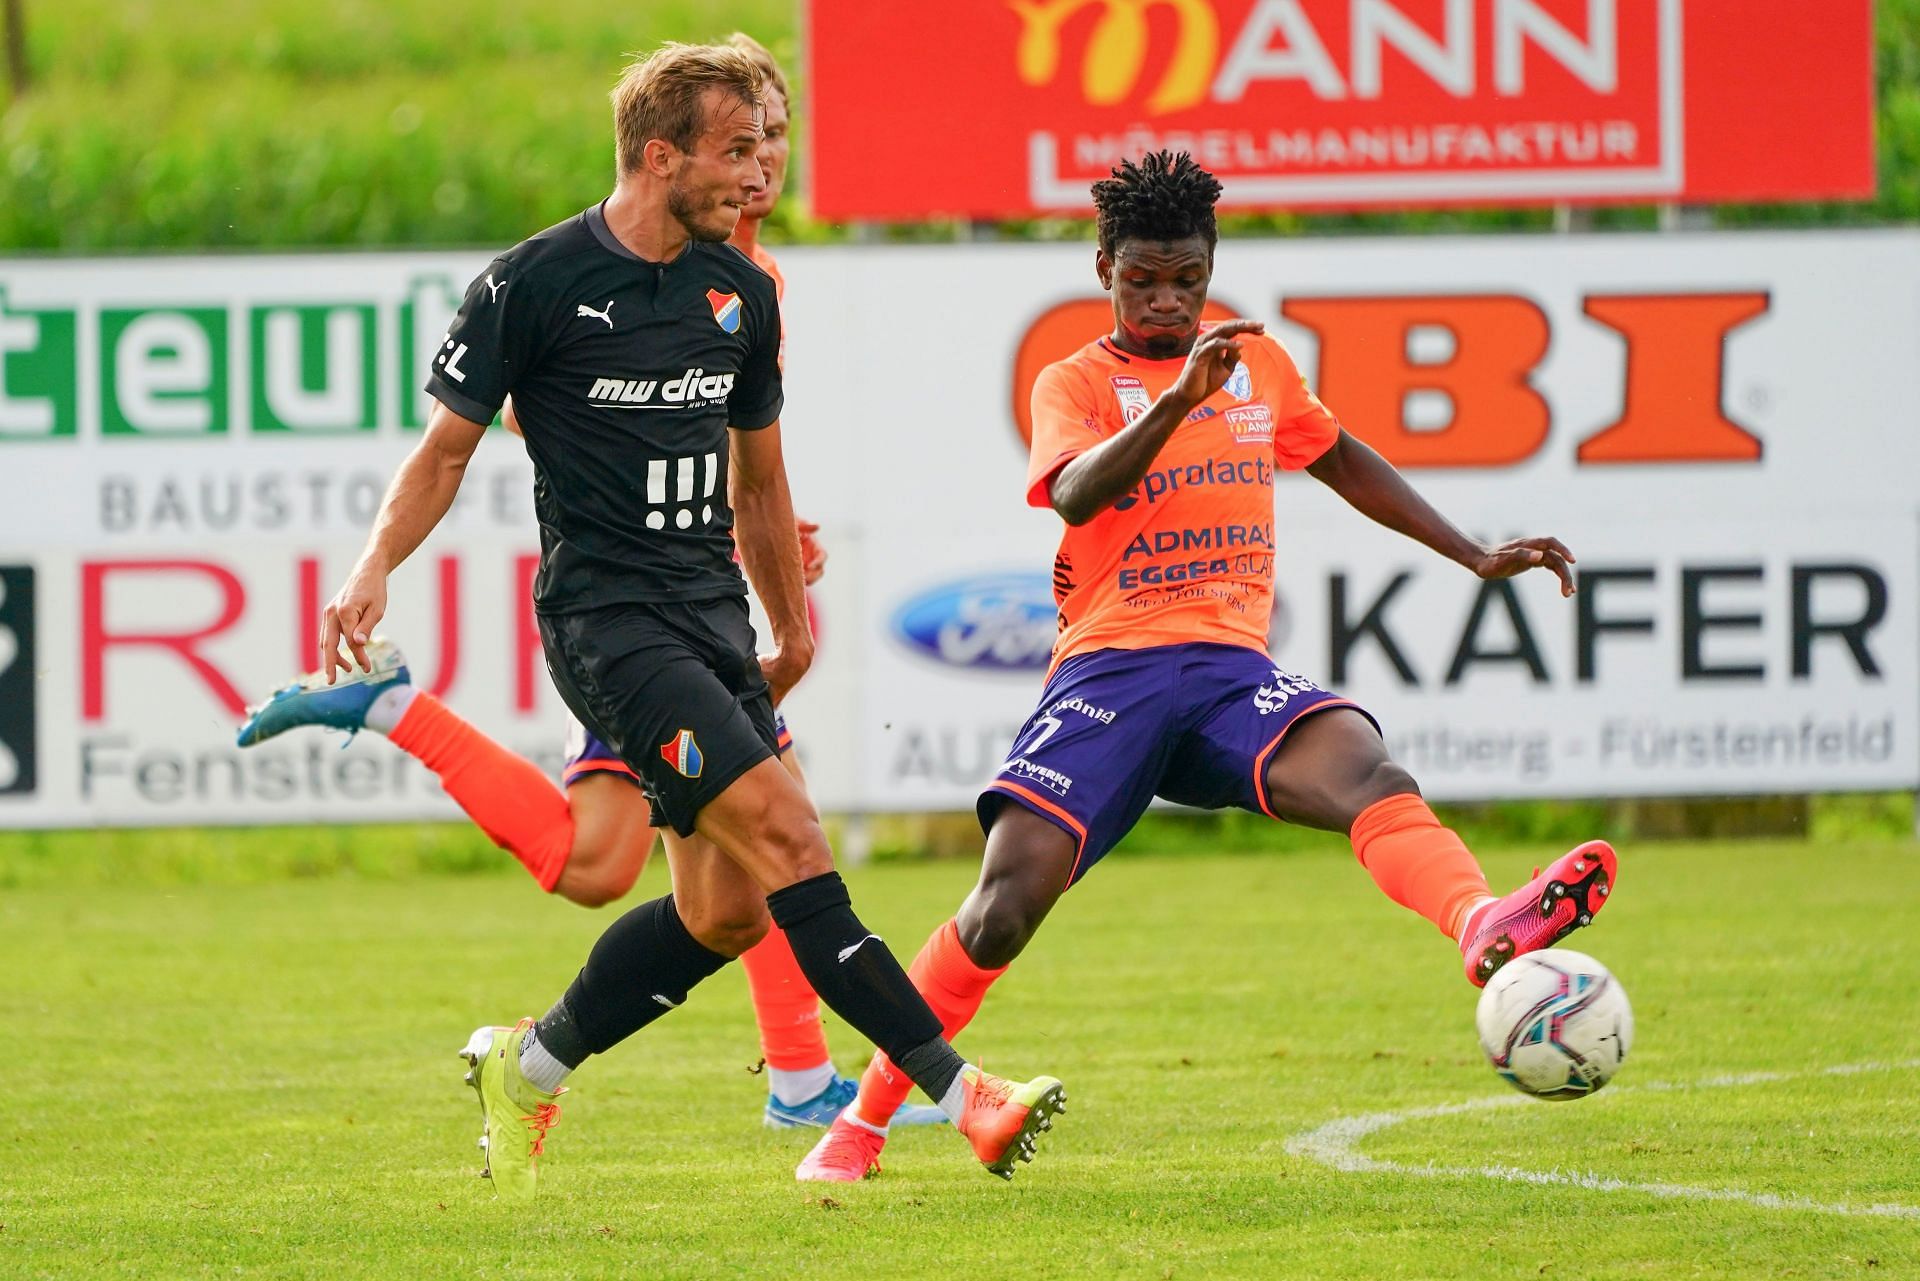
(612, 837)
(1025, 871)
(724, 924)
(600, 877)
(721, 905)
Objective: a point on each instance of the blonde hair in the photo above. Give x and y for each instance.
(663, 95)
(763, 59)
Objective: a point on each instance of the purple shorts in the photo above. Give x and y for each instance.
(1193, 724)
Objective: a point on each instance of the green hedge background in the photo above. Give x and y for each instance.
(188, 124)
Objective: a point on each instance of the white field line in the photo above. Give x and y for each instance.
(1337, 1144)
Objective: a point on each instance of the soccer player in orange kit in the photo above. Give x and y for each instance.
(590, 842)
(1157, 445)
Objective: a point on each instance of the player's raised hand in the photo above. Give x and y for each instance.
(813, 557)
(350, 617)
(1518, 555)
(783, 669)
(1212, 359)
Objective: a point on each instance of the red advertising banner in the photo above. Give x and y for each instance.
(1012, 107)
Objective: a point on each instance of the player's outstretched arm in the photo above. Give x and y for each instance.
(1094, 480)
(769, 543)
(1372, 487)
(419, 496)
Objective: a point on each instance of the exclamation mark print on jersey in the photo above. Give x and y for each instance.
(684, 517)
(657, 493)
(713, 470)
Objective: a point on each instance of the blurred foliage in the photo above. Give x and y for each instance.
(270, 124)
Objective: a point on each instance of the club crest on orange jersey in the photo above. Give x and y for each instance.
(1133, 398)
(726, 310)
(682, 752)
(1240, 382)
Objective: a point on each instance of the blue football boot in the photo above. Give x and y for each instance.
(341, 705)
(819, 1111)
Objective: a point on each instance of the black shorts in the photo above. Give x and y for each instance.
(675, 689)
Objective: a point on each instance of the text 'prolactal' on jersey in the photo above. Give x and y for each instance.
(1187, 554)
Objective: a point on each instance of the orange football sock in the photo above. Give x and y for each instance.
(506, 795)
(1418, 863)
(953, 987)
(791, 1036)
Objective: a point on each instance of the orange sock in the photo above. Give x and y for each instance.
(1418, 863)
(953, 987)
(507, 795)
(791, 1036)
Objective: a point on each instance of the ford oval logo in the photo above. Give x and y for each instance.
(1001, 622)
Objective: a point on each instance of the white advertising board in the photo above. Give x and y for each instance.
(1721, 426)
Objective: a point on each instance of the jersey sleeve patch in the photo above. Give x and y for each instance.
(1066, 423)
(488, 344)
(758, 394)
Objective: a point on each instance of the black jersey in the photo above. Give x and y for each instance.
(625, 375)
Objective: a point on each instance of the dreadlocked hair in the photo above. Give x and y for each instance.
(1164, 197)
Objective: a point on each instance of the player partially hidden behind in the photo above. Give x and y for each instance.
(641, 606)
(590, 843)
(1161, 684)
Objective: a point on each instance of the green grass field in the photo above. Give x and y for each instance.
(233, 1079)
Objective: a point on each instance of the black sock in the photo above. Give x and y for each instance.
(860, 980)
(643, 966)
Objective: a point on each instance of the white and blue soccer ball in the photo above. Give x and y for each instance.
(1556, 1024)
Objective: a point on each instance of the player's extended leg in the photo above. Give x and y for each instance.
(803, 1089)
(793, 1040)
(1081, 772)
(507, 796)
(679, 693)
(1025, 871)
(613, 834)
(648, 961)
(766, 824)
(1332, 771)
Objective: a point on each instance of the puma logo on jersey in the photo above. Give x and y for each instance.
(493, 288)
(583, 310)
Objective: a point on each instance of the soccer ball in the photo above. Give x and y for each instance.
(1555, 1023)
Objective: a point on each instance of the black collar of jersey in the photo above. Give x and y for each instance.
(596, 216)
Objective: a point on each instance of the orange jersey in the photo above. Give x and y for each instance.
(764, 261)
(1188, 554)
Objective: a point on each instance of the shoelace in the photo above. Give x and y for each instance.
(544, 1118)
(846, 1145)
(996, 1088)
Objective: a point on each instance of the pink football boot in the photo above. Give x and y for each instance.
(1554, 904)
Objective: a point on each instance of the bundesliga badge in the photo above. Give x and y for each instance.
(726, 310)
(1132, 394)
(683, 753)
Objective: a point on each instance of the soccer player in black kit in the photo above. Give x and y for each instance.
(642, 355)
